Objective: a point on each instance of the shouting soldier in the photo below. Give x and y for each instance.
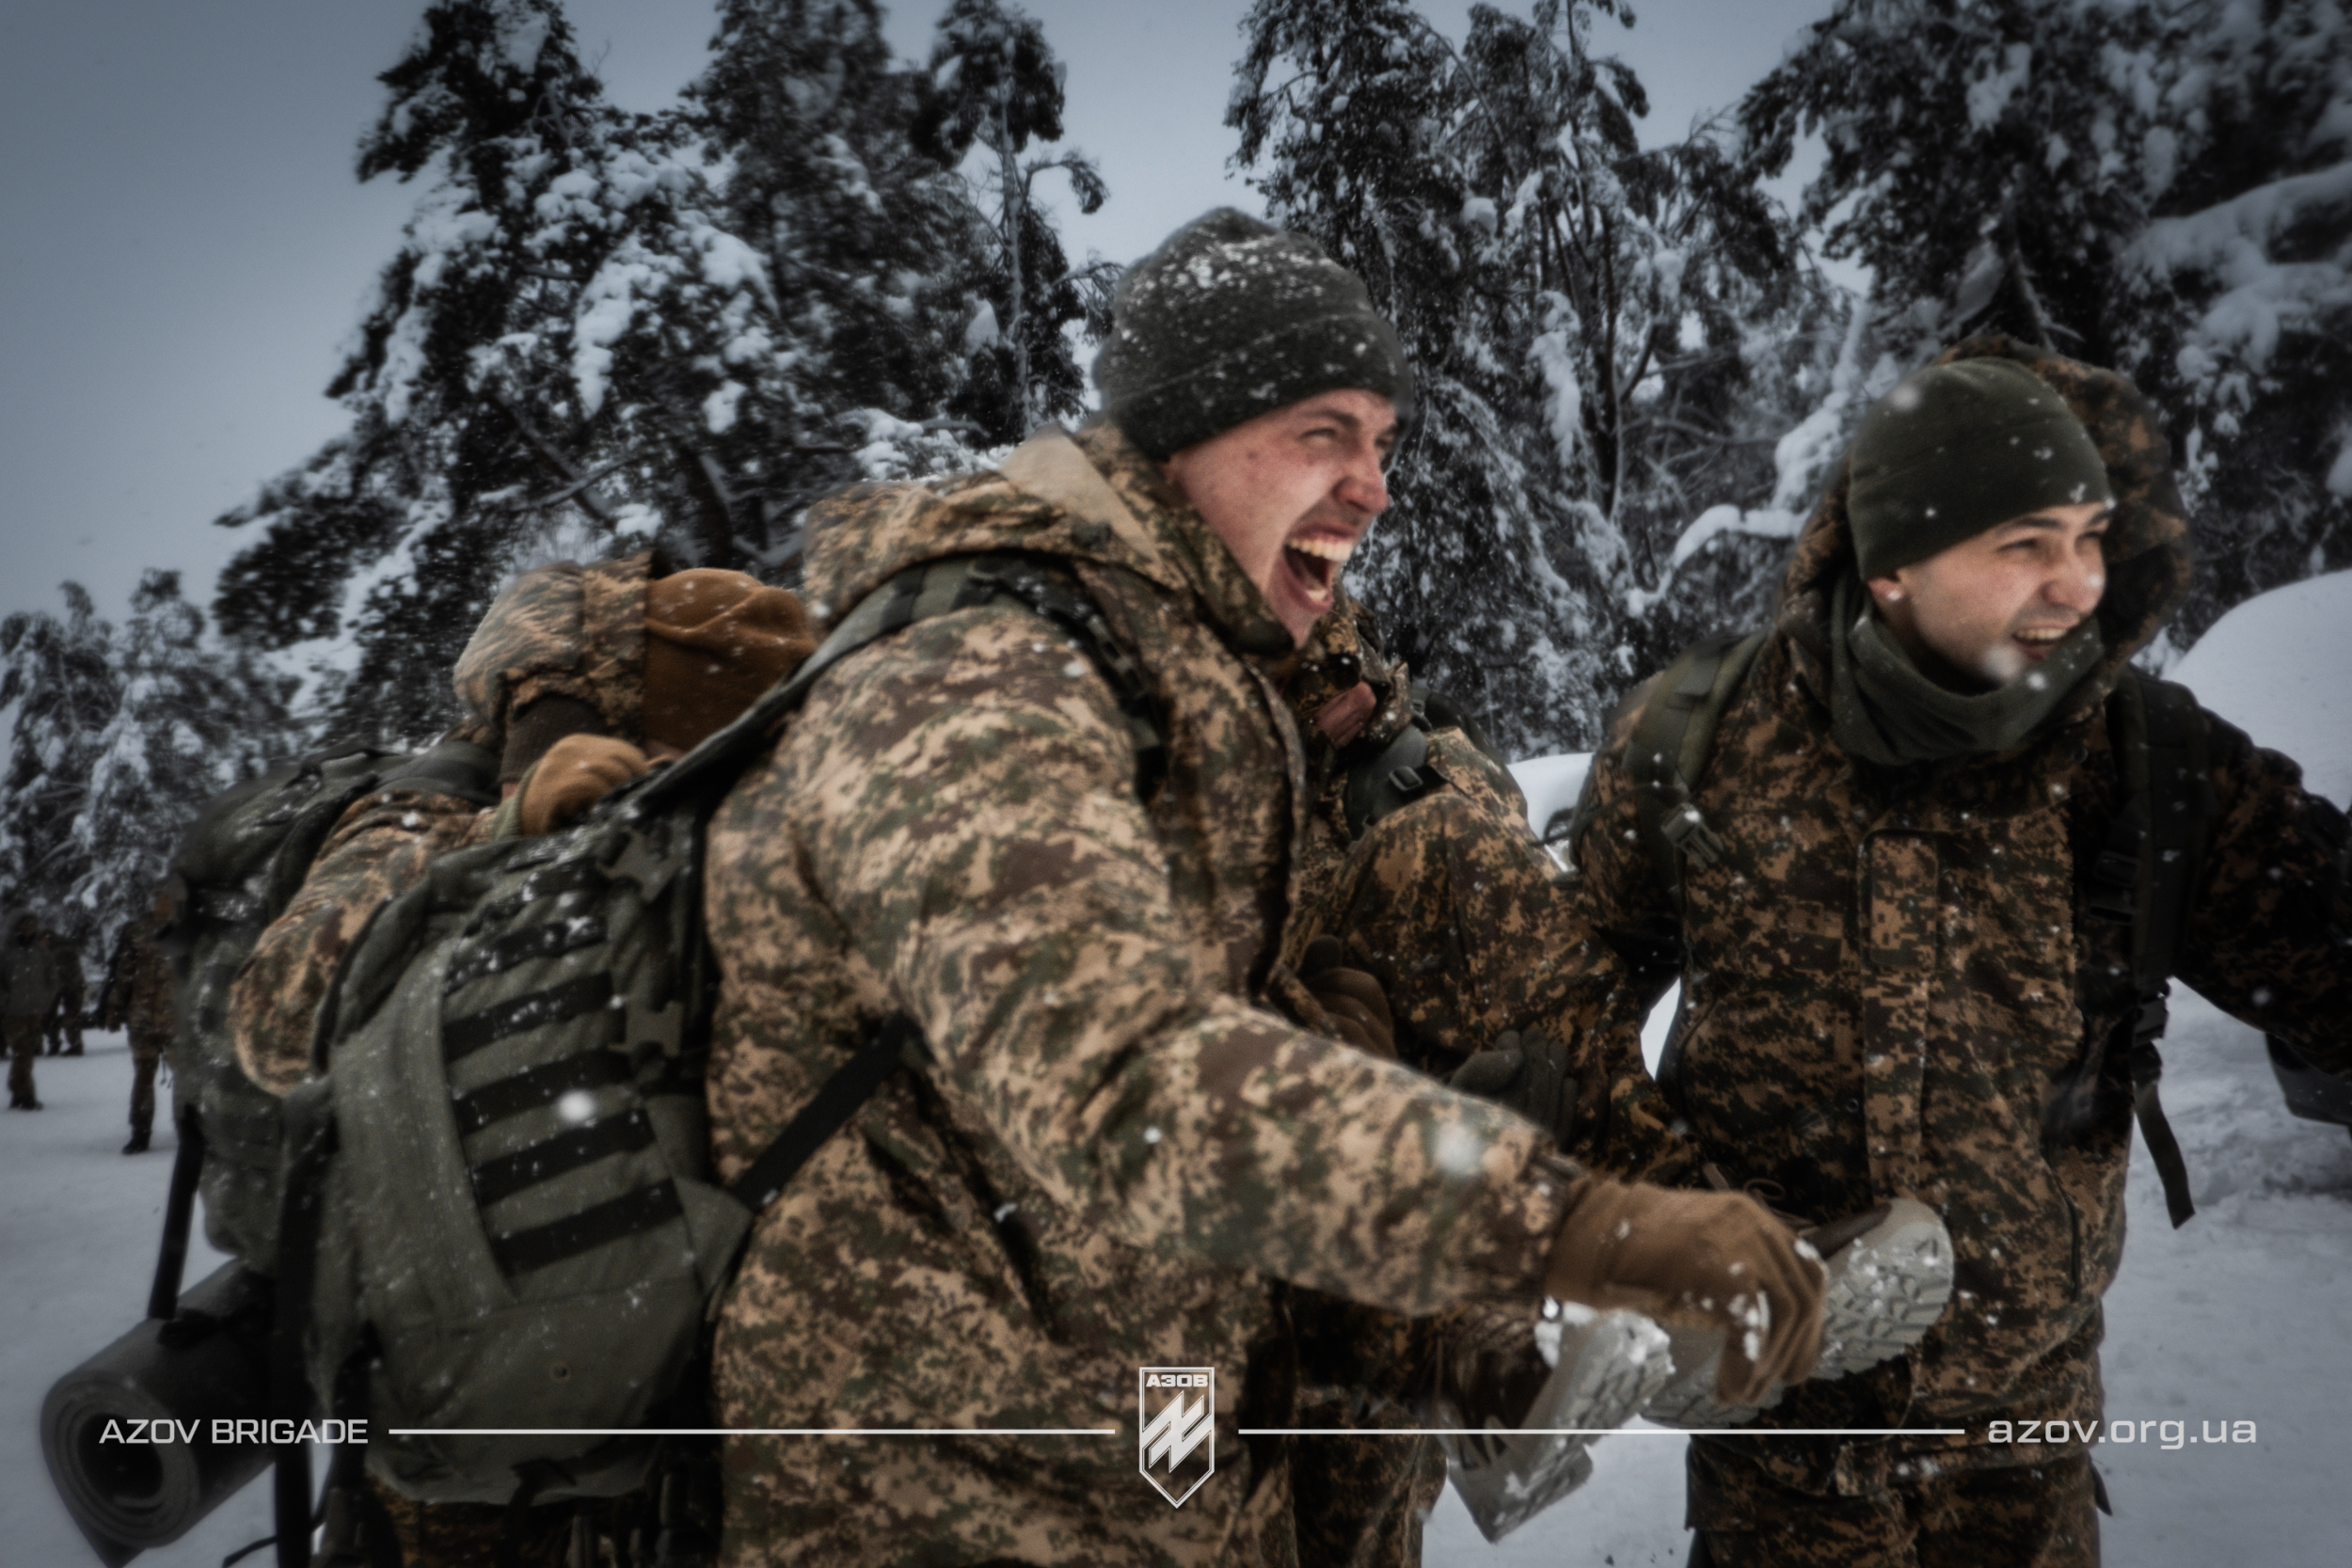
(1069, 869)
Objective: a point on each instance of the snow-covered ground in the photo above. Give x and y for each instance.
(2237, 1318)
(78, 1226)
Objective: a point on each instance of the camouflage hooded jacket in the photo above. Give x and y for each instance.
(1889, 969)
(139, 994)
(1109, 1153)
(559, 630)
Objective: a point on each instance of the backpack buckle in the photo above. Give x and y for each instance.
(1686, 830)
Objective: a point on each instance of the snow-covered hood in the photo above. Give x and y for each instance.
(1090, 497)
(2147, 541)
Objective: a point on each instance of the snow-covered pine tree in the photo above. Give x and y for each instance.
(1352, 116)
(1581, 315)
(61, 684)
(872, 246)
(993, 83)
(192, 721)
(120, 738)
(2234, 305)
(570, 356)
(2158, 188)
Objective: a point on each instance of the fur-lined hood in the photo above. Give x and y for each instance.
(2147, 541)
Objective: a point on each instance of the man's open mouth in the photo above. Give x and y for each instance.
(2039, 641)
(1316, 562)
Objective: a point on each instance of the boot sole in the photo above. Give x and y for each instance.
(1885, 1291)
(1607, 1371)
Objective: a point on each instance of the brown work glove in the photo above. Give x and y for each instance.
(1353, 1003)
(576, 772)
(1713, 1260)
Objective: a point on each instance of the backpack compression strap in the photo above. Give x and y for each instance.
(2147, 873)
(1667, 752)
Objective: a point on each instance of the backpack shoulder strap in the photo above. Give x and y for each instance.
(1667, 754)
(2147, 872)
(1049, 589)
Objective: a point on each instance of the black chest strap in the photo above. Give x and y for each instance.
(2146, 873)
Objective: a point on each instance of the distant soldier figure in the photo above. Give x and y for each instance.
(65, 1014)
(139, 996)
(29, 979)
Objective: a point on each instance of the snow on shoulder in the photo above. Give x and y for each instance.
(2279, 668)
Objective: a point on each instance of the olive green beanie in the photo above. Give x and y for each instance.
(1230, 318)
(1958, 449)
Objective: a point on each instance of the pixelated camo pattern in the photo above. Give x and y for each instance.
(140, 989)
(561, 630)
(1890, 967)
(379, 851)
(1110, 1153)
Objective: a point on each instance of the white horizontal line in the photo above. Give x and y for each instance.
(1605, 1432)
(754, 1432)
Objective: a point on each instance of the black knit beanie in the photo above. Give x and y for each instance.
(1958, 449)
(1230, 319)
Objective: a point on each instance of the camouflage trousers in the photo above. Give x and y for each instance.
(2010, 1517)
(1360, 1502)
(24, 1041)
(65, 1028)
(143, 1063)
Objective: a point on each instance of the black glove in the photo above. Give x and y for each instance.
(1529, 1074)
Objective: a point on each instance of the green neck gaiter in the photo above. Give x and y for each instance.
(1881, 708)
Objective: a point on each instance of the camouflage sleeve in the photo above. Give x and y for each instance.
(380, 849)
(978, 830)
(2269, 938)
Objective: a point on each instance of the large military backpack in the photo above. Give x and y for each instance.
(238, 867)
(2144, 873)
(498, 1239)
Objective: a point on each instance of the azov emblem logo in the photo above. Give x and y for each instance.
(1178, 1450)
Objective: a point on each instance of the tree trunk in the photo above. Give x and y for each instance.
(1015, 210)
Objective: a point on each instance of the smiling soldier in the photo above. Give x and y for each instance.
(1912, 892)
(1060, 843)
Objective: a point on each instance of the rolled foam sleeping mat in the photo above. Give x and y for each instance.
(210, 1362)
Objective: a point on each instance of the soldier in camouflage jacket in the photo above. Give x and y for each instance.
(1112, 1151)
(140, 997)
(1448, 902)
(1885, 976)
(567, 639)
(571, 662)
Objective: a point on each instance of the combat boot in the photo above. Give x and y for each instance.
(1889, 1279)
(1519, 1404)
(137, 1144)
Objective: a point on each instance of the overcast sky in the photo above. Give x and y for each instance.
(184, 249)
